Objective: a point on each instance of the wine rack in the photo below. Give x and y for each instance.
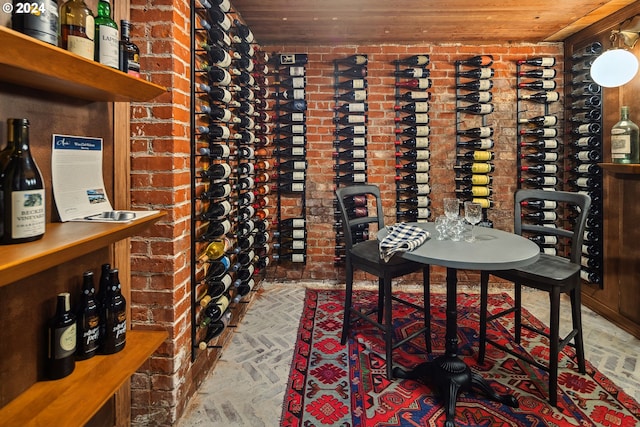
(350, 140)
(538, 154)
(412, 138)
(230, 172)
(584, 153)
(474, 141)
(290, 152)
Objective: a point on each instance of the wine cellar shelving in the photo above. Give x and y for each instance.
(412, 138)
(584, 152)
(290, 145)
(539, 154)
(474, 142)
(350, 140)
(230, 171)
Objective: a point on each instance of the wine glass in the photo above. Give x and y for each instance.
(451, 207)
(473, 215)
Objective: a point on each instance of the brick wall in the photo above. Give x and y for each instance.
(160, 177)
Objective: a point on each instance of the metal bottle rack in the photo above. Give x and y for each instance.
(585, 128)
(413, 152)
(240, 268)
(549, 152)
(478, 180)
(353, 167)
(290, 153)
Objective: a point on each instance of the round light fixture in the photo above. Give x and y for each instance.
(614, 68)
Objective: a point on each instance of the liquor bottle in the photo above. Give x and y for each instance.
(541, 97)
(243, 31)
(477, 143)
(419, 60)
(414, 130)
(290, 59)
(540, 132)
(477, 61)
(415, 142)
(481, 73)
(480, 96)
(625, 147)
(539, 61)
(479, 132)
(353, 96)
(77, 28)
(352, 84)
(129, 52)
(543, 121)
(477, 155)
(216, 229)
(480, 109)
(62, 340)
(416, 96)
(545, 156)
(355, 72)
(538, 85)
(422, 83)
(106, 36)
(476, 85)
(540, 169)
(115, 317)
(545, 73)
(88, 320)
(216, 191)
(413, 73)
(37, 20)
(475, 168)
(22, 196)
(587, 129)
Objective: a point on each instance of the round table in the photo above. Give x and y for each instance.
(492, 250)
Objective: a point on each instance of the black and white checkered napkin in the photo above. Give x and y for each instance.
(402, 237)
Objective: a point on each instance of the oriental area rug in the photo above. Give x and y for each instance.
(346, 386)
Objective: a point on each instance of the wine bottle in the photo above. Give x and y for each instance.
(352, 84)
(88, 320)
(473, 191)
(421, 83)
(243, 289)
(215, 289)
(214, 250)
(542, 239)
(216, 191)
(216, 211)
(293, 71)
(544, 121)
(292, 129)
(350, 154)
(413, 107)
(216, 113)
(290, 187)
(414, 178)
(294, 117)
(216, 229)
(414, 130)
(291, 256)
(115, 320)
(625, 147)
(419, 201)
(419, 142)
(355, 72)
(292, 165)
(587, 129)
(22, 196)
(477, 97)
(419, 166)
(477, 61)
(477, 155)
(587, 168)
(352, 60)
(590, 262)
(290, 59)
(538, 85)
(296, 105)
(299, 245)
(106, 36)
(476, 85)
(416, 96)
(593, 250)
(588, 89)
(421, 189)
(351, 119)
(350, 178)
(415, 214)
(587, 103)
(477, 143)
(353, 96)
(479, 132)
(540, 132)
(544, 156)
(292, 82)
(481, 73)
(62, 340)
(37, 20)
(540, 169)
(413, 73)
(413, 119)
(350, 166)
(540, 181)
(216, 94)
(223, 5)
(352, 107)
(475, 168)
(587, 156)
(214, 310)
(545, 73)
(414, 154)
(541, 216)
(586, 182)
(296, 151)
(217, 75)
(587, 116)
(420, 60)
(217, 171)
(219, 17)
(77, 28)
(474, 179)
(594, 48)
(217, 55)
(480, 109)
(541, 97)
(538, 61)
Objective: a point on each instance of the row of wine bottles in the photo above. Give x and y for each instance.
(474, 143)
(290, 155)
(412, 132)
(98, 324)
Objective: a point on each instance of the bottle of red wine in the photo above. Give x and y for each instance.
(413, 119)
(22, 196)
(88, 326)
(62, 340)
(544, 73)
(413, 73)
(421, 83)
(538, 85)
(542, 97)
(539, 62)
(115, 317)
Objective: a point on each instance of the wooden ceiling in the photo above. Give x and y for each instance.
(347, 22)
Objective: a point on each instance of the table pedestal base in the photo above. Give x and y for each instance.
(451, 375)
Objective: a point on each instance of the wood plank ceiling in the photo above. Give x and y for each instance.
(348, 22)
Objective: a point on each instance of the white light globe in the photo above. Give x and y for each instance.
(614, 68)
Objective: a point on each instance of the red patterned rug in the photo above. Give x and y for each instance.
(335, 385)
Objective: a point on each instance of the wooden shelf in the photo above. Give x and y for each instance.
(28, 62)
(628, 169)
(73, 400)
(63, 242)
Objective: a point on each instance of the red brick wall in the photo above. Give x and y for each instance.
(380, 154)
(160, 177)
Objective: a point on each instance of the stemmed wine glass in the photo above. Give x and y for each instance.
(473, 215)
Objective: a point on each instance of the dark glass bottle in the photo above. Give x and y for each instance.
(480, 96)
(115, 317)
(88, 316)
(539, 61)
(477, 61)
(479, 132)
(62, 340)
(477, 85)
(413, 107)
(478, 108)
(22, 195)
(419, 60)
(129, 52)
(477, 73)
(41, 23)
(415, 72)
(106, 36)
(544, 73)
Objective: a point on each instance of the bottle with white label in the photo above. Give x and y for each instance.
(22, 196)
(107, 38)
(624, 140)
(77, 28)
(62, 340)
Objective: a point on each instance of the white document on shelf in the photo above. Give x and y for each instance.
(78, 187)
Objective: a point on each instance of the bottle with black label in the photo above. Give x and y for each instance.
(62, 340)
(22, 197)
(115, 317)
(88, 320)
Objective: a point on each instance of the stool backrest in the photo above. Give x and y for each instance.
(350, 223)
